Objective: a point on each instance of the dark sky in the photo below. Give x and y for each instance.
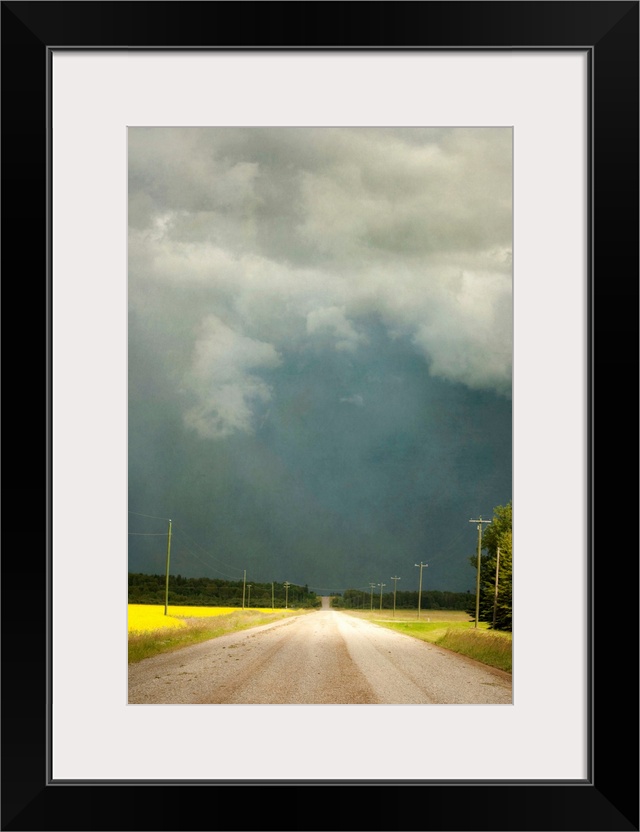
(320, 345)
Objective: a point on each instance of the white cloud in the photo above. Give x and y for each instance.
(355, 399)
(469, 340)
(224, 382)
(332, 320)
(292, 235)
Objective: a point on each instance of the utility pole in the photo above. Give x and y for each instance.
(166, 585)
(421, 565)
(249, 598)
(395, 586)
(273, 598)
(373, 586)
(286, 594)
(495, 596)
(381, 585)
(479, 521)
(244, 585)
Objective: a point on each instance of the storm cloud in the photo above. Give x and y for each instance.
(320, 348)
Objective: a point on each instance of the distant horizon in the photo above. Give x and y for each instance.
(320, 594)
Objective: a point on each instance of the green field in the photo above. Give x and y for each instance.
(184, 626)
(450, 629)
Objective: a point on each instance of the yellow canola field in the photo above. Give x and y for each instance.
(145, 617)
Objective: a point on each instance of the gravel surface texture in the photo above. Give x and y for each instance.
(324, 657)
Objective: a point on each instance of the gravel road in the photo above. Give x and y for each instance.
(323, 657)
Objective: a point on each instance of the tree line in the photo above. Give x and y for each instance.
(433, 599)
(214, 592)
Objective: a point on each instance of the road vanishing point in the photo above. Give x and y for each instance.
(320, 658)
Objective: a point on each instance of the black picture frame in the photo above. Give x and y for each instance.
(608, 798)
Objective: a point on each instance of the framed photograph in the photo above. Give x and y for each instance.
(285, 148)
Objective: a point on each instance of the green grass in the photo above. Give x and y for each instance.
(151, 643)
(446, 628)
(492, 648)
(449, 629)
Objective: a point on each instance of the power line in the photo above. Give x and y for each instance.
(166, 591)
(395, 580)
(373, 586)
(479, 521)
(421, 565)
(195, 542)
(207, 565)
(184, 549)
(152, 516)
(447, 548)
(495, 596)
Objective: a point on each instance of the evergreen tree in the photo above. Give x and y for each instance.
(496, 536)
